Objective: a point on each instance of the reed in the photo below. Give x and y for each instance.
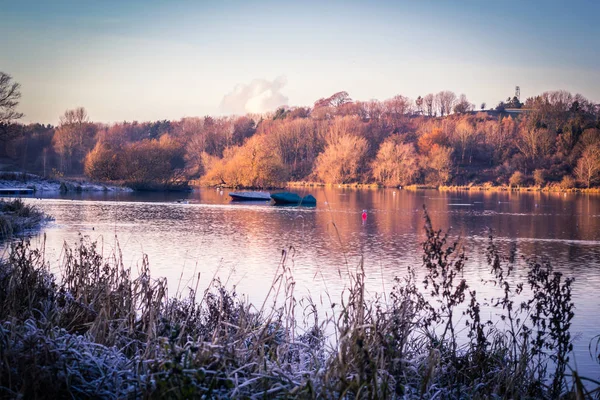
(96, 331)
(505, 188)
(17, 217)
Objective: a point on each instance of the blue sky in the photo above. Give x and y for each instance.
(149, 60)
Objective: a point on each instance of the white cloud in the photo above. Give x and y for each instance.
(258, 96)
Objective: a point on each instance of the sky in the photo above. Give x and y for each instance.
(153, 60)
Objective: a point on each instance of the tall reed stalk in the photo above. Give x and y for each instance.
(96, 331)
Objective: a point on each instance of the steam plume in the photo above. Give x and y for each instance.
(258, 96)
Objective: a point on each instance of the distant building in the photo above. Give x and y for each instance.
(516, 111)
(513, 112)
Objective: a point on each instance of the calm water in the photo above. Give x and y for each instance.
(242, 243)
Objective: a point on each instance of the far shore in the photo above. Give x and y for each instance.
(39, 184)
(11, 180)
(442, 188)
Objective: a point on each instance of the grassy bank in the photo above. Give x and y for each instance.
(17, 217)
(339, 185)
(98, 332)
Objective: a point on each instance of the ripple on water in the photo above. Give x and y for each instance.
(244, 244)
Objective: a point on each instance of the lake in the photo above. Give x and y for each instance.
(242, 244)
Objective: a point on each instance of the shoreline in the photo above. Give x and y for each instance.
(545, 189)
(13, 180)
(415, 187)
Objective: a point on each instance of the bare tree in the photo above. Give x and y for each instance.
(335, 100)
(77, 116)
(445, 101)
(374, 109)
(588, 166)
(74, 137)
(464, 136)
(429, 100)
(340, 98)
(397, 106)
(534, 143)
(10, 93)
(463, 105)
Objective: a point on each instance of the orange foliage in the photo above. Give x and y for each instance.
(396, 163)
(431, 138)
(255, 164)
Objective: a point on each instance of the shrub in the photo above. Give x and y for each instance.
(539, 176)
(516, 179)
(567, 182)
(16, 217)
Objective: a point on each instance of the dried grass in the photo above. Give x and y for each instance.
(98, 332)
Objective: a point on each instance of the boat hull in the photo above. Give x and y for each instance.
(287, 198)
(250, 196)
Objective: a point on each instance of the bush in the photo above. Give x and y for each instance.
(539, 176)
(16, 217)
(516, 179)
(567, 182)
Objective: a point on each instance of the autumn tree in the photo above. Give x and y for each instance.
(534, 142)
(219, 133)
(373, 110)
(433, 137)
(104, 163)
(438, 164)
(516, 179)
(299, 112)
(590, 137)
(31, 148)
(338, 99)
(500, 138)
(396, 163)
(464, 137)
(73, 138)
(243, 128)
(326, 107)
(298, 144)
(255, 164)
(191, 132)
(154, 163)
(395, 111)
(588, 166)
(343, 157)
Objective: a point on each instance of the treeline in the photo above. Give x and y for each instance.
(440, 139)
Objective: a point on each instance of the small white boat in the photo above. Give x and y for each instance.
(250, 196)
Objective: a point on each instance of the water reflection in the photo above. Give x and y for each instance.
(243, 243)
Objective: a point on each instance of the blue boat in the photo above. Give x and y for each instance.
(288, 198)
